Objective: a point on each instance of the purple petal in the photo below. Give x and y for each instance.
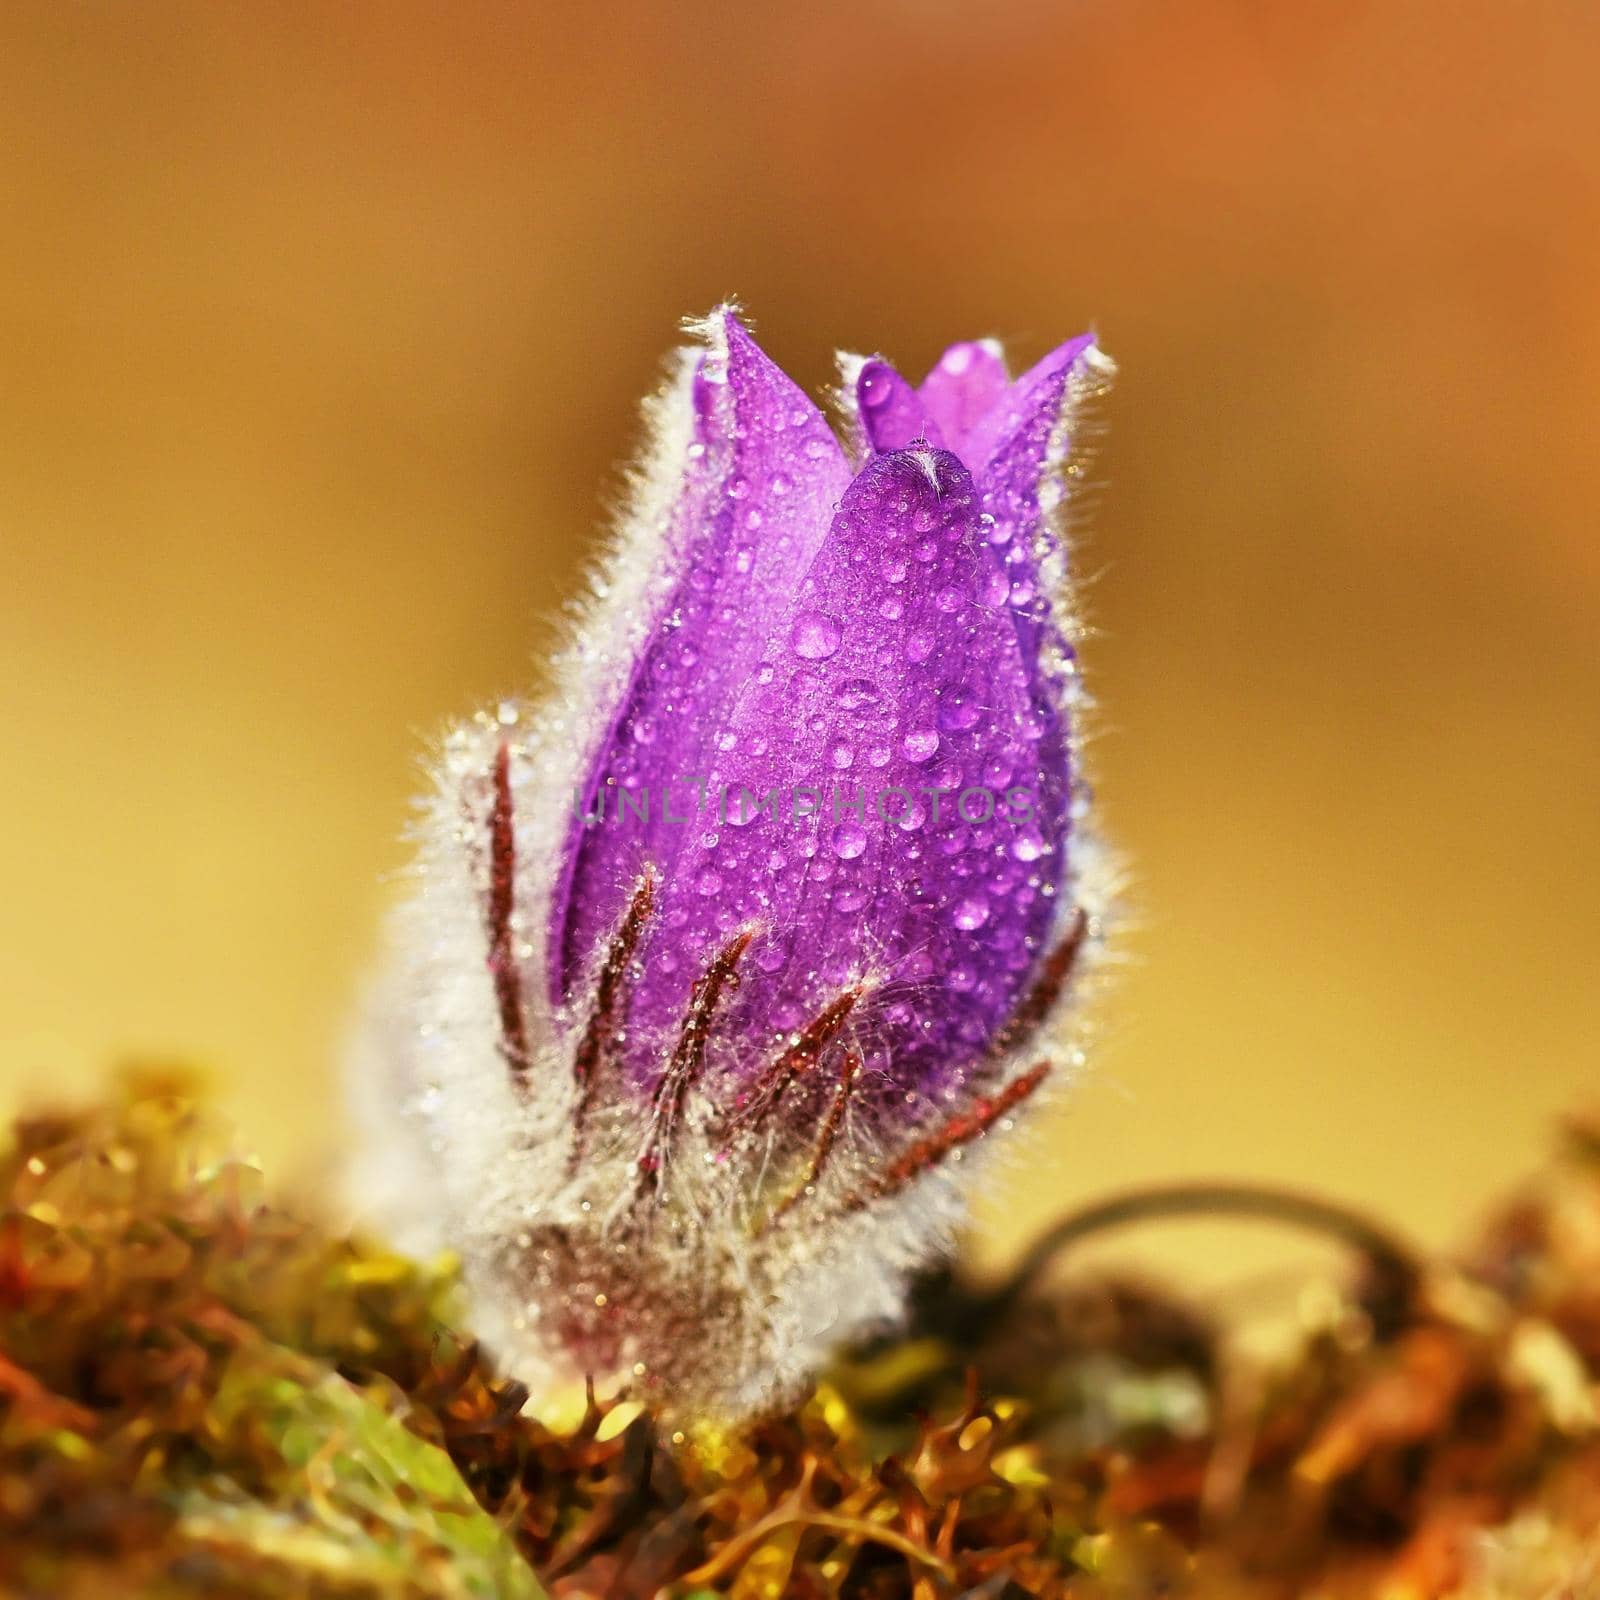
(969, 382)
(892, 417)
(892, 673)
(1018, 451)
(762, 475)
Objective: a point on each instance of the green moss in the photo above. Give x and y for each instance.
(202, 1393)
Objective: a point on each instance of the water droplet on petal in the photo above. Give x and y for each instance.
(912, 817)
(971, 912)
(740, 807)
(854, 693)
(849, 840)
(815, 636)
(958, 708)
(919, 744)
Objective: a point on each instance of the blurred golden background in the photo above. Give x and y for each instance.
(325, 327)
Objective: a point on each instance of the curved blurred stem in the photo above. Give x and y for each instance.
(1397, 1267)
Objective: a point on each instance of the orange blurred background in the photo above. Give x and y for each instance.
(325, 327)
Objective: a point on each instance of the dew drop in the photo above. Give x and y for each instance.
(764, 672)
(919, 744)
(958, 708)
(892, 609)
(971, 912)
(815, 636)
(740, 807)
(849, 840)
(842, 757)
(854, 693)
(709, 882)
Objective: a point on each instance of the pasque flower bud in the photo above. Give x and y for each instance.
(723, 954)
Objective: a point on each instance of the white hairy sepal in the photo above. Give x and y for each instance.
(698, 1300)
